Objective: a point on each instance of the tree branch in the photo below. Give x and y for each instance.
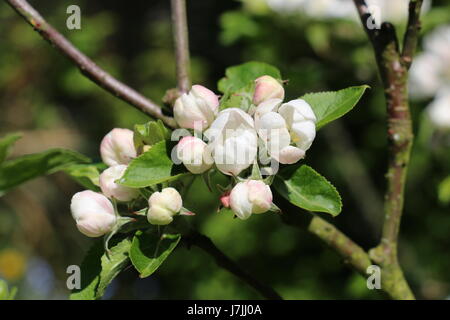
(86, 65)
(393, 67)
(204, 243)
(351, 253)
(181, 41)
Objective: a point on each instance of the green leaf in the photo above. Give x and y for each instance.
(307, 189)
(237, 77)
(331, 105)
(86, 175)
(6, 143)
(99, 269)
(152, 167)
(238, 84)
(150, 250)
(113, 264)
(150, 133)
(444, 191)
(16, 171)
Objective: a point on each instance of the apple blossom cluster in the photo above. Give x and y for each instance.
(280, 132)
(233, 140)
(270, 132)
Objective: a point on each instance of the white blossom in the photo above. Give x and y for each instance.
(280, 127)
(233, 141)
(439, 110)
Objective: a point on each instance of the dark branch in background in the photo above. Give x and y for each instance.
(203, 242)
(86, 65)
(181, 42)
(393, 66)
(355, 175)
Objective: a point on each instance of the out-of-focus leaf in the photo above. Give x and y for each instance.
(5, 292)
(307, 189)
(444, 191)
(6, 143)
(152, 167)
(16, 171)
(86, 175)
(331, 105)
(150, 250)
(236, 25)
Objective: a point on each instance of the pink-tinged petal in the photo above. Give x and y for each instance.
(93, 213)
(117, 147)
(267, 88)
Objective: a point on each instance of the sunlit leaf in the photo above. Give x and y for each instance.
(307, 189)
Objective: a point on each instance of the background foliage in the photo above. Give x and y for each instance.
(43, 96)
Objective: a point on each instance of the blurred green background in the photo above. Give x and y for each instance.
(44, 96)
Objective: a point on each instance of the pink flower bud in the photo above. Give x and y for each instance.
(251, 196)
(195, 154)
(162, 206)
(117, 147)
(225, 199)
(113, 190)
(93, 213)
(196, 109)
(267, 88)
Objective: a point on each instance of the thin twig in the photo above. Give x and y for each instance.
(86, 65)
(203, 242)
(412, 32)
(181, 42)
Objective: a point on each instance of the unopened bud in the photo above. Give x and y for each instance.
(267, 88)
(195, 154)
(117, 147)
(93, 213)
(196, 109)
(251, 196)
(225, 199)
(162, 206)
(113, 190)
